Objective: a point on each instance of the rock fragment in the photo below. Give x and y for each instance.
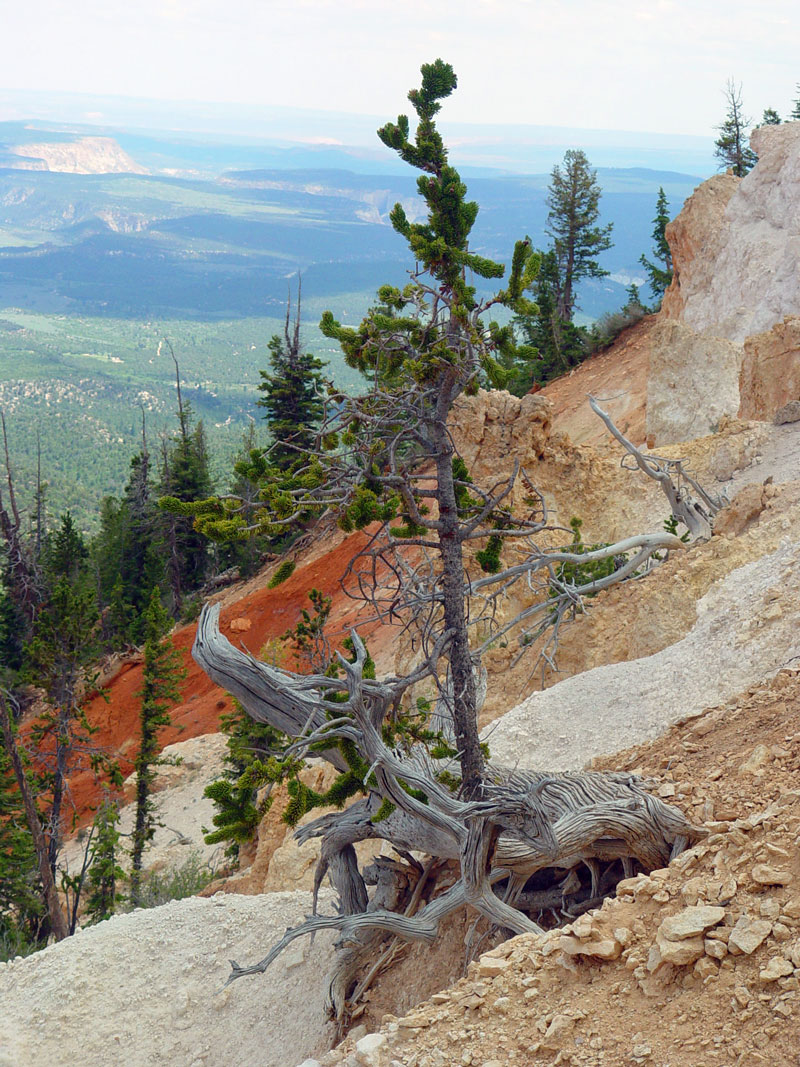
(777, 968)
(748, 934)
(690, 922)
(765, 875)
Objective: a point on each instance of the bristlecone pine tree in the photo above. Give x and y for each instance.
(388, 458)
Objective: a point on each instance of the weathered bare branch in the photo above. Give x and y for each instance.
(696, 516)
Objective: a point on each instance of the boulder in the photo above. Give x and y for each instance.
(788, 413)
(763, 874)
(777, 968)
(742, 511)
(606, 949)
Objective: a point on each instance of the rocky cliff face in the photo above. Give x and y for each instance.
(736, 250)
(736, 244)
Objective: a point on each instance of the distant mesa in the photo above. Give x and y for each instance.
(87, 155)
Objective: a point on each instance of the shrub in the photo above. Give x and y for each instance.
(610, 325)
(175, 883)
(286, 570)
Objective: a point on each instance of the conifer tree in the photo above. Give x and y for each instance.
(660, 271)
(105, 872)
(184, 477)
(795, 115)
(161, 677)
(431, 343)
(126, 556)
(573, 200)
(11, 754)
(731, 147)
(293, 395)
(64, 644)
(21, 900)
(559, 343)
(770, 117)
(389, 457)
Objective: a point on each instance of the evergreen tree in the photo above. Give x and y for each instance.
(161, 677)
(432, 344)
(559, 343)
(105, 872)
(184, 477)
(12, 626)
(21, 907)
(19, 576)
(12, 757)
(246, 554)
(293, 395)
(573, 200)
(795, 115)
(770, 117)
(732, 148)
(660, 271)
(64, 644)
(251, 745)
(126, 556)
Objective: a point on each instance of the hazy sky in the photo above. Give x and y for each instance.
(658, 65)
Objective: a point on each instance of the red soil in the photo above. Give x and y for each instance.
(270, 613)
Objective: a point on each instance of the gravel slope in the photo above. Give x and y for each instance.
(746, 630)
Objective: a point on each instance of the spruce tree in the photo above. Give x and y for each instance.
(126, 555)
(245, 555)
(12, 757)
(770, 117)
(161, 677)
(795, 115)
(731, 147)
(573, 200)
(293, 395)
(660, 271)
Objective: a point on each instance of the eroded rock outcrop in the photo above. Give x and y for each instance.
(736, 244)
(693, 382)
(770, 375)
(696, 237)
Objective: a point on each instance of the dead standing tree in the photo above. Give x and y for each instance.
(388, 457)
